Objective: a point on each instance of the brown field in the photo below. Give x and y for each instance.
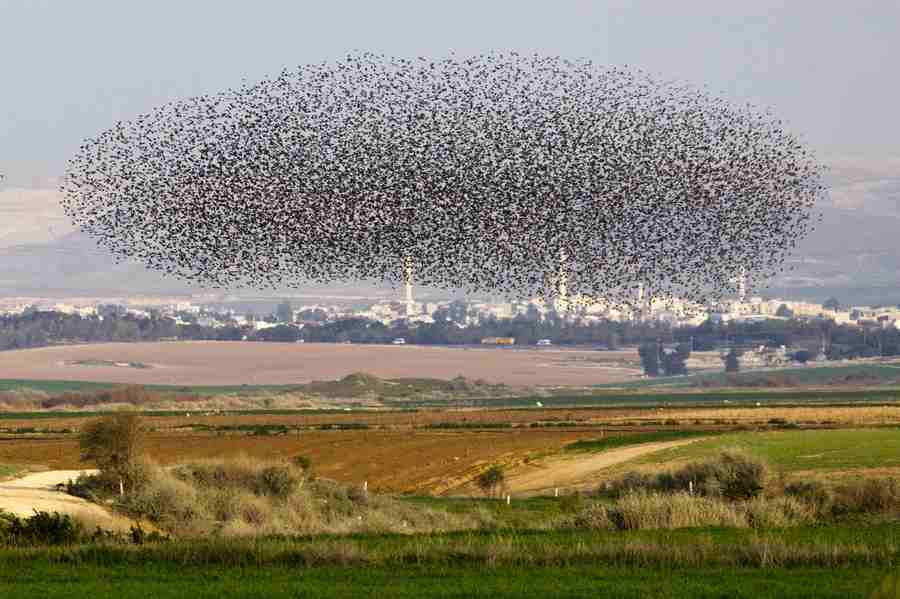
(237, 363)
(632, 418)
(391, 461)
(397, 454)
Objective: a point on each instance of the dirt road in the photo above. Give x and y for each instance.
(22, 496)
(579, 470)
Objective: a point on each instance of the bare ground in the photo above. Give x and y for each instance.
(236, 363)
(568, 472)
(37, 492)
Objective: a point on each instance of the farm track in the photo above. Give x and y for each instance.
(37, 492)
(561, 471)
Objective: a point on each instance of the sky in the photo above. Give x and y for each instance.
(69, 69)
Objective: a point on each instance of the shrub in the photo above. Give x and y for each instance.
(643, 510)
(303, 462)
(571, 503)
(778, 512)
(42, 528)
(732, 475)
(873, 495)
(594, 516)
(277, 481)
(813, 493)
(491, 480)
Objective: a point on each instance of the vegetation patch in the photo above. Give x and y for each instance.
(624, 440)
(790, 450)
(113, 363)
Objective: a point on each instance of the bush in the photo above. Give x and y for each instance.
(491, 480)
(303, 462)
(42, 528)
(277, 481)
(594, 516)
(571, 503)
(733, 475)
(641, 510)
(873, 496)
(778, 512)
(814, 494)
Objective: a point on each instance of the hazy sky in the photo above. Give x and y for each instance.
(70, 68)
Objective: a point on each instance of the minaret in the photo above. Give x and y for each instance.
(640, 302)
(562, 287)
(410, 308)
(742, 286)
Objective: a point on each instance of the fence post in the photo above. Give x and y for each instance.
(508, 499)
(690, 487)
(556, 492)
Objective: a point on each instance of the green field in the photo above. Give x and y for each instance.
(833, 561)
(612, 442)
(805, 375)
(791, 450)
(59, 386)
(66, 581)
(402, 394)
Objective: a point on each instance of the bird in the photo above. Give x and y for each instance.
(484, 171)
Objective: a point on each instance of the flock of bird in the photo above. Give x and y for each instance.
(505, 173)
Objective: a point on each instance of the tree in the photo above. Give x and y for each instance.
(673, 361)
(491, 480)
(732, 361)
(802, 356)
(113, 443)
(831, 304)
(284, 312)
(649, 354)
(784, 312)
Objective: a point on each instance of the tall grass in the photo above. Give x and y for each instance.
(700, 548)
(247, 497)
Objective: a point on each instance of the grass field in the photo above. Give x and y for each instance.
(611, 442)
(140, 581)
(812, 375)
(796, 450)
(833, 561)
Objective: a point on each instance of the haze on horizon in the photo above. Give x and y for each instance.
(824, 68)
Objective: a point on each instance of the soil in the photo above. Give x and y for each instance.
(237, 363)
(577, 471)
(37, 492)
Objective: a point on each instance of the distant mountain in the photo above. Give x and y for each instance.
(853, 254)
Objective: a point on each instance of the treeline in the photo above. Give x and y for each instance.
(38, 328)
(838, 341)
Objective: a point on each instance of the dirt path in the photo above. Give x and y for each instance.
(22, 496)
(577, 471)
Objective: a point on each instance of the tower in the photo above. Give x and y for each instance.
(742, 286)
(562, 285)
(410, 307)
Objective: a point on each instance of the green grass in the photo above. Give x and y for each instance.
(820, 561)
(788, 450)
(613, 441)
(141, 581)
(8, 470)
(656, 397)
(804, 375)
